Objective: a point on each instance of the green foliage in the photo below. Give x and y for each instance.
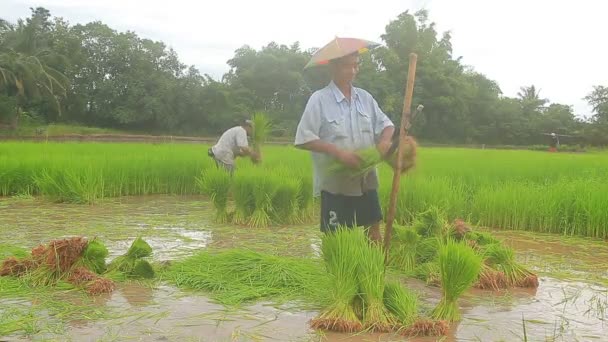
(94, 256)
(236, 276)
(122, 81)
(459, 267)
(401, 302)
(216, 183)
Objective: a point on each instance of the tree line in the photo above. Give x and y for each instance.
(55, 72)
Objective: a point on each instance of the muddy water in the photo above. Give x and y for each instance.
(570, 304)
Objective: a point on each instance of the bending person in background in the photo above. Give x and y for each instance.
(232, 144)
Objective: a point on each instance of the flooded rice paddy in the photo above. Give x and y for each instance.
(569, 305)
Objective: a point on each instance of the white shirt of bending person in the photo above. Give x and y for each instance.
(229, 144)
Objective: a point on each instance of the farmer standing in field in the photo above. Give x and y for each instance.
(338, 120)
(232, 144)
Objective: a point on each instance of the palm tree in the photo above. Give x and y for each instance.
(24, 73)
(530, 99)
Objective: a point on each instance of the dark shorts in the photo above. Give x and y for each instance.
(349, 211)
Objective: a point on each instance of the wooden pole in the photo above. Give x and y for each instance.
(405, 124)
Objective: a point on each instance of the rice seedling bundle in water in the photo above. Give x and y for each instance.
(459, 267)
(264, 189)
(502, 258)
(74, 260)
(132, 264)
(371, 281)
(403, 248)
(401, 302)
(431, 222)
(285, 200)
(216, 183)
(341, 252)
(236, 276)
(261, 130)
(242, 192)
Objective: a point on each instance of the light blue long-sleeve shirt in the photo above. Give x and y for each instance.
(356, 124)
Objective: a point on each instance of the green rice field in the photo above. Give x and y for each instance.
(562, 193)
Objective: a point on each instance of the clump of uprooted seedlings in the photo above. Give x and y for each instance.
(371, 157)
(133, 263)
(261, 197)
(75, 260)
(360, 297)
(216, 183)
(455, 257)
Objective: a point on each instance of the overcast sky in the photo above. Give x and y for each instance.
(557, 45)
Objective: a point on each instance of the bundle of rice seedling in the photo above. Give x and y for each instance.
(403, 248)
(305, 200)
(371, 282)
(55, 261)
(341, 252)
(132, 264)
(491, 279)
(459, 267)
(408, 160)
(431, 222)
(371, 157)
(261, 130)
(429, 272)
(427, 249)
(459, 229)
(502, 258)
(99, 286)
(94, 256)
(426, 327)
(481, 238)
(242, 193)
(235, 276)
(402, 303)
(264, 188)
(12, 266)
(215, 183)
(74, 260)
(285, 200)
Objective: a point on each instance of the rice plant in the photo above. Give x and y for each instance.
(341, 252)
(216, 183)
(401, 302)
(371, 281)
(459, 267)
(502, 258)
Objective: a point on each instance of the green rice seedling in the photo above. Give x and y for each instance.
(459, 267)
(371, 274)
(94, 256)
(285, 200)
(139, 249)
(236, 276)
(431, 222)
(428, 272)
(401, 302)
(216, 183)
(341, 251)
(264, 189)
(261, 128)
(427, 249)
(502, 258)
(143, 269)
(370, 158)
(305, 199)
(403, 248)
(132, 264)
(242, 193)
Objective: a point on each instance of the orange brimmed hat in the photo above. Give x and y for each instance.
(340, 47)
